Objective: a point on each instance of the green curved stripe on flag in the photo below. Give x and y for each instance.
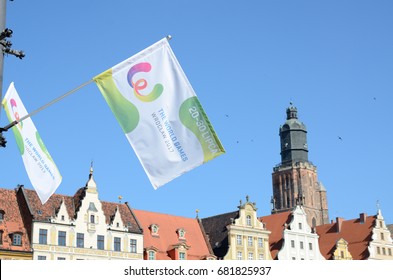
(125, 112)
(18, 136)
(193, 117)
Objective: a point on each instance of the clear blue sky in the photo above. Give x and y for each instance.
(244, 59)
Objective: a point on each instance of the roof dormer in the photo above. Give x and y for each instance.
(154, 228)
(181, 233)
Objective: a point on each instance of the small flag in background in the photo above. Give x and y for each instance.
(160, 114)
(40, 167)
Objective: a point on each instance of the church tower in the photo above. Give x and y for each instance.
(295, 180)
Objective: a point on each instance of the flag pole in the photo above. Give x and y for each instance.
(45, 106)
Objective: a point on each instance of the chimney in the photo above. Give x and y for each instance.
(362, 218)
(339, 223)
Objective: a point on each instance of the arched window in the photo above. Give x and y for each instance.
(314, 222)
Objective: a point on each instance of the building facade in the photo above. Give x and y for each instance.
(238, 235)
(363, 238)
(292, 237)
(295, 180)
(81, 227)
(14, 238)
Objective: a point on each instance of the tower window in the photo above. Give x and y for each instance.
(92, 219)
(382, 236)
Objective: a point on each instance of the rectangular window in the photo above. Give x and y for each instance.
(382, 236)
(293, 243)
(342, 254)
(43, 237)
(80, 240)
(116, 244)
(17, 239)
(378, 250)
(239, 256)
(61, 239)
(152, 255)
(92, 219)
(133, 245)
(1, 237)
(300, 226)
(250, 256)
(100, 242)
(239, 239)
(250, 241)
(61, 258)
(390, 251)
(310, 246)
(383, 251)
(41, 258)
(301, 245)
(260, 242)
(182, 256)
(261, 256)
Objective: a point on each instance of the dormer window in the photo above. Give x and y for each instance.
(17, 239)
(117, 225)
(154, 229)
(62, 217)
(181, 233)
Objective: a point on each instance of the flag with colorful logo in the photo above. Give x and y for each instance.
(159, 113)
(40, 167)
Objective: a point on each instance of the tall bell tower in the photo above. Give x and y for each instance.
(295, 180)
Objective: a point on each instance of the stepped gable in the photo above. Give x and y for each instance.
(276, 223)
(356, 232)
(217, 232)
(167, 237)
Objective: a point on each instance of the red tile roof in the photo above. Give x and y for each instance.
(12, 222)
(44, 212)
(168, 238)
(276, 224)
(355, 232)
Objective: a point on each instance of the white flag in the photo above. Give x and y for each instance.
(40, 167)
(160, 114)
